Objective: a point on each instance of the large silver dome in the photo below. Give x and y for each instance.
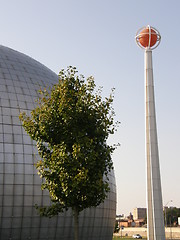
(20, 186)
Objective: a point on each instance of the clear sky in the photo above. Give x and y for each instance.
(98, 37)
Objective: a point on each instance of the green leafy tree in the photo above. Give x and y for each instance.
(171, 215)
(71, 125)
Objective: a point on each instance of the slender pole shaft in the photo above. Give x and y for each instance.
(155, 216)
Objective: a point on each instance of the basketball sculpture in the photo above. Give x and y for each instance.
(148, 37)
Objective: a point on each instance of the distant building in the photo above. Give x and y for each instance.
(127, 223)
(139, 213)
(120, 217)
(135, 219)
(139, 222)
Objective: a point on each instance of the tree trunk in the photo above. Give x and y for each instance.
(76, 223)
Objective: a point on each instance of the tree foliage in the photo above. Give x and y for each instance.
(71, 125)
(172, 214)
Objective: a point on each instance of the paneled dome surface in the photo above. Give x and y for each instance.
(20, 186)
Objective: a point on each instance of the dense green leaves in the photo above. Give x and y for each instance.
(171, 215)
(71, 125)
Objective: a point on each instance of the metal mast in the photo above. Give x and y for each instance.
(149, 38)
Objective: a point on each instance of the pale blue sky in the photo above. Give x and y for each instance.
(97, 37)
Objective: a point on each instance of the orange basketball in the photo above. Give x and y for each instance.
(144, 37)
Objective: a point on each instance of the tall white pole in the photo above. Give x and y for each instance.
(148, 38)
(155, 216)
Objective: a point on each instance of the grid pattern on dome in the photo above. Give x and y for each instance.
(20, 78)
